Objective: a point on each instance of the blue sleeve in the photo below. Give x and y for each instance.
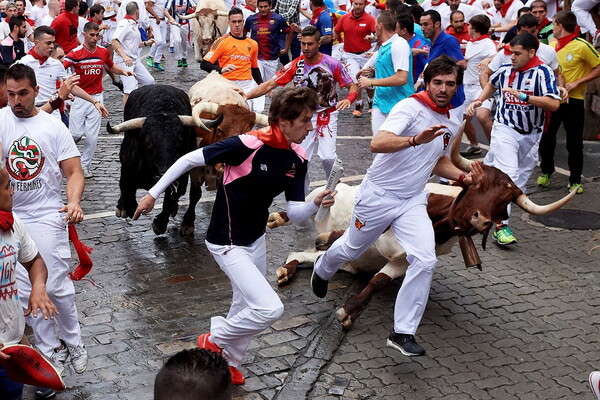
(229, 151)
(326, 24)
(452, 48)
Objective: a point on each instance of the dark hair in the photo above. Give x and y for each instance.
(318, 3)
(416, 11)
(402, 9)
(523, 10)
(235, 11)
(43, 30)
(289, 104)
(83, 7)
(96, 9)
(406, 21)
(311, 30)
(91, 26)
(527, 40)
(455, 12)
(567, 19)
(194, 374)
(71, 4)
(411, 2)
(388, 20)
(539, 4)
(18, 72)
(3, 69)
(435, 16)
(527, 21)
(16, 20)
(480, 23)
(263, 1)
(392, 5)
(443, 65)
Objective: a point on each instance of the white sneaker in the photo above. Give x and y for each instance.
(594, 381)
(59, 357)
(79, 358)
(87, 173)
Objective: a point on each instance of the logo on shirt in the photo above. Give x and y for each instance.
(25, 160)
(569, 57)
(292, 171)
(263, 167)
(446, 137)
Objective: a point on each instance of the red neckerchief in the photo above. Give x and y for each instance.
(127, 16)
(316, 13)
(423, 98)
(563, 41)
(543, 24)
(534, 62)
(35, 55)
(248, 8)
(83, 251)
(504, 8)
(437, 3)
(6, 20)
(6, 221)
(506, 49)
(273, 137)
(481, 38)
(91, 20)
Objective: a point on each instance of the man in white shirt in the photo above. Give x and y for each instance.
(11, 11)
(505, 15)
(38, 12)
(53, 11)
(156, 9)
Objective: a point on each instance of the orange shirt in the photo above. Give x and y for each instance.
(243, 53)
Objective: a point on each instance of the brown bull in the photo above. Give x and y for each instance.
(456, 213)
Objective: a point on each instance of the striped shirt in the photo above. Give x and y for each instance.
(521, 116)
(89, 65)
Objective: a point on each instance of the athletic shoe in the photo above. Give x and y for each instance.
(59, 357)
(504, 235)
(471, 151)
(237, 378)
(179, 63)
(171, 49)
(119, 85)
(79, 358)
(576, 186)
(44, 393)
(149, 62)
(357, 110)
(543, 180)
(406, 344)
(87, 174)
(205, 343)
(159, 67)
(318, 284)
(594, 381)
(184, 63)
(596, 38)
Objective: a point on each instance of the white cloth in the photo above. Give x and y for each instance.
(324, 143)
(19, 247)
(128, 35)
(37, 14)
(160, 39)
(4, 29)
(443, 9)
(476, 52)
(144, 19)
(142, 78)
(581, 9)
(267, 68)
(354, 63)
(511, 15)
(255, 305)
(46, 74)
(47, 20)
(179, 40)
(257, 104)
(545, 53)
(85, 120)
(377, 119)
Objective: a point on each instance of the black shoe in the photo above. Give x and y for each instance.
(318, 285)
(44, 393)
(471, 151)
(406, 344)
(119, 85)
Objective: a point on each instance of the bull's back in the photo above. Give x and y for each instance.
(154, 99)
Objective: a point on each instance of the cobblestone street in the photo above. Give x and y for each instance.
(526, 327)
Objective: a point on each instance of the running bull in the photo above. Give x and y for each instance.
(456, 213)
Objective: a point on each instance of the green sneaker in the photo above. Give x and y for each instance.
(576, 186)
(504, 236)
(149, 62)
(159, 67)
(180, 63)
(184, 62)
(543, 180)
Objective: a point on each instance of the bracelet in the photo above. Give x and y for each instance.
(461, 178)
(479, 100)
(372, 85)
(414, 141)
(524, 97)
(144, 43)
(351, 97)
(96, 102)
(56, 103)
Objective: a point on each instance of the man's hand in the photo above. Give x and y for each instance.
(74, 213)
(296, 28)
(128, 61)
(563, 92)
(364, 83)
(476, 175)
(342, 105)
(101, 109)
(570, 86)
(228, 68)
(430, 133)
(328, 202)
(486, 61)
(38, 299)
(67, 85)
(471, 109)
(128, 73)
(368, 72)
(283, 51)
(144, 206)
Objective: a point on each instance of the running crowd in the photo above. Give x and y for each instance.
(418, 70)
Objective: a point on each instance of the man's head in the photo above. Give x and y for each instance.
(83, 9)
(523, 48)
(405, 26)
(133, 10)
(6, 191)
(11, 10)
(309, 42)
(392, 5)
(91, 34)
(358, 7)
(3, 5)
(416, 12)
(18, 26)
(539, 9)
(21, 87)
(53, 7)
(386, 22)
(457, 20)
(314, 4)
(235, 20)
(43, 40)
(72, 6)
(97, 13)
(442, 77)
(252, 4)
(453, 4)
(20, 6)
(498, 4)
(264, 7)
(431, 24)
(527, 24)
(479, 24)
(194, 375)
(292, 110)
(58, 53)
(565, 23)
(523, 11)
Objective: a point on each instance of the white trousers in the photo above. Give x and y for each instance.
(85, 120)
(374, 211)
(514, 154)
(130, 83)
(179, 40)
(581, 9)
(52, 240)
(256, 105)
(254, 306)
(323, 139)
(377, 119)
(354, 63)
(267, 68)
(160, 40)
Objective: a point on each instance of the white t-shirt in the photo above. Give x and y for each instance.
(37, 14)
(545, 53)
(110, 8)
(144, 19)
(4, 29)
(400, 54)
(46, 74)
(47, 20)
(33, 148)
(511, 15)
(475, 53)
(443, 9)
(405, 172)
(128, 34)
(16, 246)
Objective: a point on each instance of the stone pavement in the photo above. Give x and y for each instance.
(526, 327)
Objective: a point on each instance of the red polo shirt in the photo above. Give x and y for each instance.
(355, 30)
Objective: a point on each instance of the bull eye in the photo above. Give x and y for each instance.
(476, 214)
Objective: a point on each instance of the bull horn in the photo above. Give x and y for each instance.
(188, 16)
(134, 123)
(187, 120)
(205, 106)
(222, 13)
(457, 159)
(528, 205)
(261, 119)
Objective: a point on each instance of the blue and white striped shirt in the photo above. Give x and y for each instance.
(523, 117)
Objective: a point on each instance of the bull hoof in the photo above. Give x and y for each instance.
(158, 230)
(174, 212)
(344, 318)
(186, 230)
(283, 276)
(120, 213)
